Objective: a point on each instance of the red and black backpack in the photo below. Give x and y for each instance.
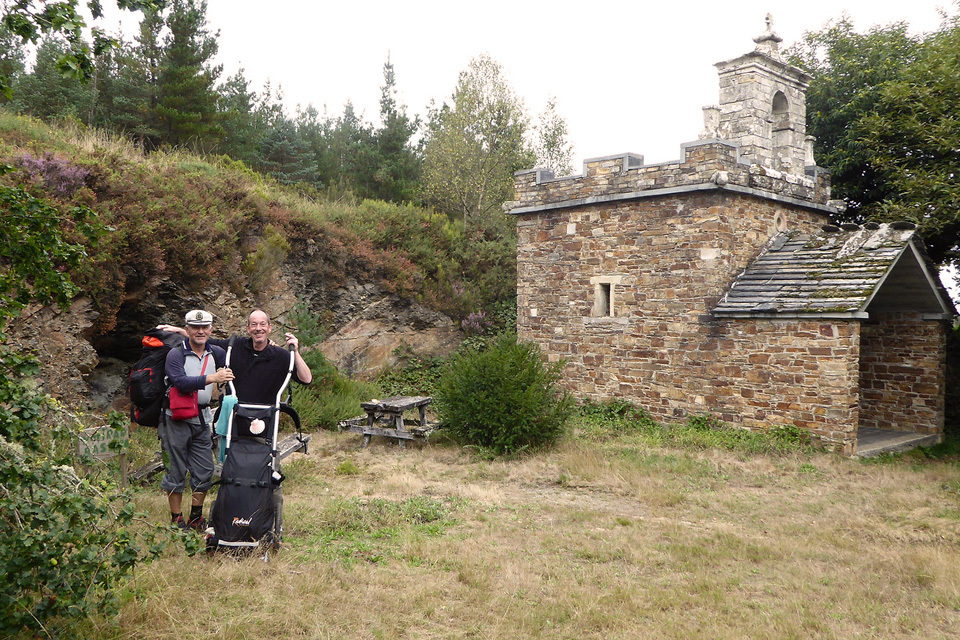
(147, 389)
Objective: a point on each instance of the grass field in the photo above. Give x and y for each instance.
(610, 535)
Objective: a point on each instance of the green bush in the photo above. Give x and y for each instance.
(504, 398)
(413, 375)
(331, 396)
(617, 415)
(68, 542)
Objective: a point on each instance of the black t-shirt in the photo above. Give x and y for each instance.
(258, 375)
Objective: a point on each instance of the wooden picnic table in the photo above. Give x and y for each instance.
(389, 412)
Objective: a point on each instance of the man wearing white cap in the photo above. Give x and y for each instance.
(192, 369)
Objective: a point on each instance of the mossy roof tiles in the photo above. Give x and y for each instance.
(835, 271)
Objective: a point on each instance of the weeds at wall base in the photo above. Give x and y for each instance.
(701, 431)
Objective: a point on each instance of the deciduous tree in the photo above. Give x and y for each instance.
(475, 144)
(884, 107)
(913, 134)
(554, 151)
(848, 70)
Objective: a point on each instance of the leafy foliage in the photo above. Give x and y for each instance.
(621, 415)
(310, 328)
(36, 251)
(883, 106)
(848, 70)
(503, 398)
(914, 139)
(67, 543)
(413, 375)
(474, 146)
(11, 60)
(331, 396)
(29, 19)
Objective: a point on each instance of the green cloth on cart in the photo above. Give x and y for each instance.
(227, 403)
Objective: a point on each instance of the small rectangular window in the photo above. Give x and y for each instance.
(604, 295)
(602, 306)
(605, 298)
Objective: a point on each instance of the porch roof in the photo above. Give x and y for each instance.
(839, 272)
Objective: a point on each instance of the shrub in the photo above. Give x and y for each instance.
(503, 398)
(57, 174)
(619, 414)
(331, 396)
(705, 422)
(310, 328)
(413, 375)
(68, 542)
(262, 265)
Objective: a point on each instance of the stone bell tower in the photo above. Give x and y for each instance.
(763, 107)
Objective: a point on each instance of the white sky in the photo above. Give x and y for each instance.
(627, 76)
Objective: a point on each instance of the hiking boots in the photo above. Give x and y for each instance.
(195, 524)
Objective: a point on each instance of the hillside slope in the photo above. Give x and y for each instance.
(186, 232)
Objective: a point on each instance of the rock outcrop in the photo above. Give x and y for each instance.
(90, 372)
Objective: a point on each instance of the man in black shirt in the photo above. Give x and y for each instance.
(259, 368)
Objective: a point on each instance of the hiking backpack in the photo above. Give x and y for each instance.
(147, 389)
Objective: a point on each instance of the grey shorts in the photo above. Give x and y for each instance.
(189, 447)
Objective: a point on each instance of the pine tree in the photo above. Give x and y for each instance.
(348, 154)
(187, 106)
(247, 117)
(126, 98)
(46, 93)
(397, 164)
(236, 105)
(286, 157)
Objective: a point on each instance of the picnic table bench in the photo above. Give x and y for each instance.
(384, 417)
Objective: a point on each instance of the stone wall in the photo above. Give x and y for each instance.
(771, 372)
(666, 261)
(704, 164)
(902, 373)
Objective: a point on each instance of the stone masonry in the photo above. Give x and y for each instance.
(902, 373)
(620, 269)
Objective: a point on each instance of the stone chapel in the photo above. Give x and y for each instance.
(716, 283)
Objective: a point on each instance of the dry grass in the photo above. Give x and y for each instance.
(591, 540)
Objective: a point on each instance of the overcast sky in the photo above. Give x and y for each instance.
(627, 76)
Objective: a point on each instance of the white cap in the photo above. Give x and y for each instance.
(198, 317)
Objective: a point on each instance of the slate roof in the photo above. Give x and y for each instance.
(837, 272)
